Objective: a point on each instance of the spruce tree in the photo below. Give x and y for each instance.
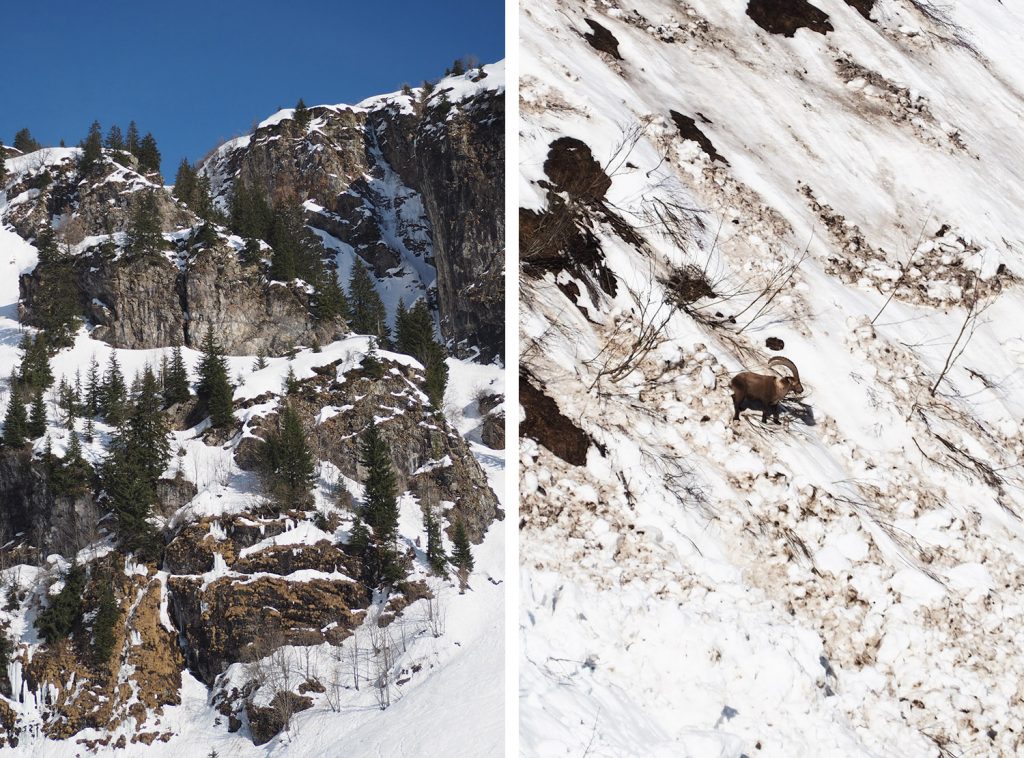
(115, 140)
(3, 165)
(25, 142)
(462, 554)
(138, 454)
(436, 558)
(92, 148)
(214, 388)
(415, 336)
(35, 365)
(37, 416)
(261, 360)
(290, 466)
(55, 622)
(148, 154)
(103, 624)
(113, 394)
(302, 116)
(251, 216)
(131, 140)
(291, 383)
(381, 562)
(330, 302)
(93, 389)
(365, 306)
(144, 230)
(251, 254)
(75, 473)
(185, 182)
(46, 244)
(202, 199)
(15, 420)
(176, 385)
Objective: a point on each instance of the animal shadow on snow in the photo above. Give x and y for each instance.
(794, 409)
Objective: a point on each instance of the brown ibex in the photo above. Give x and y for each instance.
(767, 389)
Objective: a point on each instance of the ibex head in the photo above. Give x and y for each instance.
(766, 389)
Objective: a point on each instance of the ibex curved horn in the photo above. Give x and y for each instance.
(787, 363)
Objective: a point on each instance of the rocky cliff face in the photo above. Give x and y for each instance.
(140, 302)
(413, 183)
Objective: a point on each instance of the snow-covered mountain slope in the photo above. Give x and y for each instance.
(253, 633)
(703, 184)
(411, 182)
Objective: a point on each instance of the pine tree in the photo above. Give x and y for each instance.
(56, 301)
(65, 610)
(302, 116)
(176, 385)
(251, 216)
(131, 140)
(25, 142)
(15, 420)
(330, 301)
(103, 624)
(436, 558)
(462, 554)
(261, 360)
(46, 244)
(92, 148)
(381, 563)
(291, 383)
(148, 154)
(73, 477)
(144, 231)
(115, 140)
(37, 416)
(35, 364)
(415, 336)
(202, 200)
(214, 388)
(113, 394)
(3, 165)
(93, 389)
(251, 254)
(290, 466)
(185, 182)
(368, 315)
(138, 454)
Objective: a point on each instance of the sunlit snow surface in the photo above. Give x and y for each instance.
(846, 585)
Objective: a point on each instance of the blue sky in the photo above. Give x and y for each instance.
(197, 73)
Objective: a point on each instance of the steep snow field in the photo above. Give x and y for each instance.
(847, 583)
(451, 654)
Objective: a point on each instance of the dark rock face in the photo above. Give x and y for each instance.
(248, 314)
(265, 723)
(688, 129)
(546, 424)
(26, 503)
(139, 302)
(785, 17)
(235, 619)
(455, 158)
(601, 39)
(448, 159)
